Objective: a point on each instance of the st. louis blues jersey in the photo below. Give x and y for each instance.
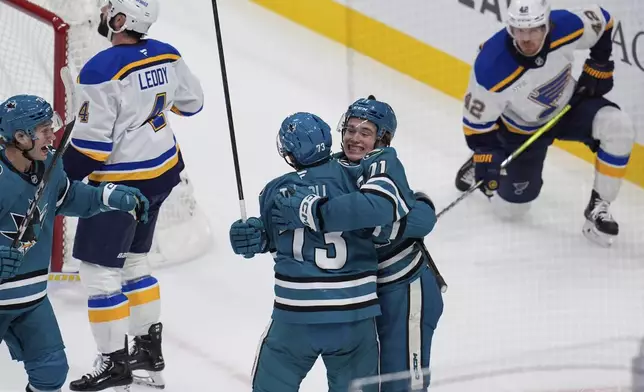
(61, 197)
(122, 134)
(321, 277)
(525, 92)
(397, 236)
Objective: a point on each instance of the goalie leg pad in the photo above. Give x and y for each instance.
(142, 290)
(108, 307)
(615, 132)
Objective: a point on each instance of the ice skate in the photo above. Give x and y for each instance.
(600, 227)
(146, 358)
(110, 371)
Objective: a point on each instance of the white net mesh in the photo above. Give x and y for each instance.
(27, 66)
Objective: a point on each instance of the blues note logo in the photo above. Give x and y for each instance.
(549, 93)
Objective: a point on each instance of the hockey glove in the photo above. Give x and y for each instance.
(596, 80)
(10, 261)
(422, 196)
(126, 199)
(296, 209)
(248, 238)
(487, 168)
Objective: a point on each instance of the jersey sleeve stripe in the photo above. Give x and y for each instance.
(507, 82)
(568, 39)
(63, 195)
(183, 113)
(145, 63)
(386, 179)
(401, 208)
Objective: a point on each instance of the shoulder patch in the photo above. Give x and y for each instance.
(494, 68)
(566, 28)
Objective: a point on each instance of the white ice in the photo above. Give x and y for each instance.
(531, 306)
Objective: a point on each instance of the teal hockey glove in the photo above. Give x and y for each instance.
(247, 238)
(126, 199)
(298, 208)
(10, 261)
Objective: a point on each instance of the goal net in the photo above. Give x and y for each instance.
(37, 39)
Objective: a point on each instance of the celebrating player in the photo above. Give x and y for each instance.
(122, 135)
(325, 283)
(520, 80)
(27, 321)
(409, 295)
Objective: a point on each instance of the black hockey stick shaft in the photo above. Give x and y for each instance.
(432, 265)
(511, 158)
(43, 184)
(229, 110)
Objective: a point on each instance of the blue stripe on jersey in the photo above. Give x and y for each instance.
(612, 159)
(150, 163)
(91, 145)
(478, 126)
(383, 185)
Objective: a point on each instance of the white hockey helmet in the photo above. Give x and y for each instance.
(526, 14)
(139, 14)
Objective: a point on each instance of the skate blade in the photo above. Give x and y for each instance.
(152, 380)
(590, 231)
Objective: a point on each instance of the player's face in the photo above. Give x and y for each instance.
(45, 137)
(358, 138)
(529, 40)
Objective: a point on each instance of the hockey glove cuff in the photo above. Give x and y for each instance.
(298, 208)
(487, 169)
(10, 262)
(248, 238)
(596, 80)
(126, 199)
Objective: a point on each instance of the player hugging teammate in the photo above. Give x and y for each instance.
(520, 80)
(351, 270)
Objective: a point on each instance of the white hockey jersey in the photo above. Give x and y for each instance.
(524, 96)
(122, 134)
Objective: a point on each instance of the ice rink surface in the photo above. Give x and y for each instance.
(531, 306)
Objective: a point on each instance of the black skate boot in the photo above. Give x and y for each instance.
(110, 371)
(600, 227)
(146, 357)
(465, 176)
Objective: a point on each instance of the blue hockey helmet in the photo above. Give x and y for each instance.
(377, 112)
(306, 138)
(25, 113)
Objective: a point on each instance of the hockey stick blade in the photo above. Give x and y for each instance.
(66, 76)
(545, 128)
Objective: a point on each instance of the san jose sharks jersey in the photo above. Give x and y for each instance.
(61, 196)
(321, 277)
(398, 240)
(122, 134)
(525, 92)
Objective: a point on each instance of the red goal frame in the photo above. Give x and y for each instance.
(60, 43)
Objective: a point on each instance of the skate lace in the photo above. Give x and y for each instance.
(101, 364)
(600, 210)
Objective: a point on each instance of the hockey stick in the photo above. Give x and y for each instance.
(69, 88)
(432, 265)
(553, 121)
(229, 112)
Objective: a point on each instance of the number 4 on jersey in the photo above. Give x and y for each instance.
(157, 117)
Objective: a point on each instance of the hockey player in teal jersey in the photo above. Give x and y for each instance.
(325, 283)
(409, 295)
(27, 322)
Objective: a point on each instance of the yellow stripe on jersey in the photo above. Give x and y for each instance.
(148, 61)
(471, 131)
(509, 80)
(566, 39)
(609, 24)
(136, 175)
